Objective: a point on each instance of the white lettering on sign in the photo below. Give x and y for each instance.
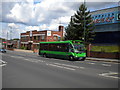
(118, 16)
(48, 33)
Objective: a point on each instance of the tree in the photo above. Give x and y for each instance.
(69, 31)
(82, 26)
(15, 39)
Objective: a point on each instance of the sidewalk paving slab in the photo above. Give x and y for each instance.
(21, 50)
(103, 59)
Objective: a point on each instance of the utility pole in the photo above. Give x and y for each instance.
(84, 22)
(10, 33)
(7, 40)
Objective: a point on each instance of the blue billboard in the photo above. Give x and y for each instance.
(106, 18)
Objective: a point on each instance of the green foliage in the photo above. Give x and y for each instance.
(112, 48)
(15, 39)
(80, 26)
(70, 35)
(25, 48)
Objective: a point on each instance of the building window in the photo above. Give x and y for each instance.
(38, 37)
(34, 37)
(55, 38)
(23, 38)
(112, 13)
(43, 37)
(30, 38)
(59, 38)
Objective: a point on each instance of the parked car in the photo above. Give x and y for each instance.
(3, 50)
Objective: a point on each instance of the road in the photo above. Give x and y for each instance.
(28, 70)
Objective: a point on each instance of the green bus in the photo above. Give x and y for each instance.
(72, 49)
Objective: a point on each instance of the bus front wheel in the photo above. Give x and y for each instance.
(83, 59)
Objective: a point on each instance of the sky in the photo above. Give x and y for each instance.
(18, 16)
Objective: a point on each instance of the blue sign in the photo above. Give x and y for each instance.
(106, 18)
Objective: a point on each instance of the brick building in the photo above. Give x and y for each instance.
(30, 40)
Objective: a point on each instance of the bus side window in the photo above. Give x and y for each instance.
(66, 47)
(71, 48)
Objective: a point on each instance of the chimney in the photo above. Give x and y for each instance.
(61, 28)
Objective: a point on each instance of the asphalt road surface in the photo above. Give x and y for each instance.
(28, 70)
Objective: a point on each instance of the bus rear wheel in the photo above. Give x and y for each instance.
(44, 55)
(71, 58)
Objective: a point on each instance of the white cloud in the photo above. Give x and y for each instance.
(65, 19)
(21, 12)
(43, 27)
(45, 14)
(13, 25)
(32, 28)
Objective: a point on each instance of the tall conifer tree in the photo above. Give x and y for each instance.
(82, 26)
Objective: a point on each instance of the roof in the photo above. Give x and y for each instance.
(105, 9)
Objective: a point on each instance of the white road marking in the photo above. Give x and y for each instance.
(13, 56)
(34, 60)
(108, 65)
(40, 61)
(91, 63)
(111, 63)
(19, 57)
(3, 65)
(27, 59)
(16, 57)
(82, 67)
(54, 59)
(94, 61)
(109, 74)
(2, 62)
(60, 66)
(69, 65)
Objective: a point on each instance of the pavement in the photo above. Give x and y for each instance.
(103, 59)
(21, 50)
(88, 58)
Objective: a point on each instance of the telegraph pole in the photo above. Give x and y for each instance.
(7, 40)
(84, 22)
(10, 33)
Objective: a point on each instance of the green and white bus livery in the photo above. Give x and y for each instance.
(72, 49)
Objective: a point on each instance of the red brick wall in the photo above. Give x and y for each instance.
(47, 38)
(105, 55)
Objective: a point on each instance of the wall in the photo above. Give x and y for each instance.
(105, 55)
